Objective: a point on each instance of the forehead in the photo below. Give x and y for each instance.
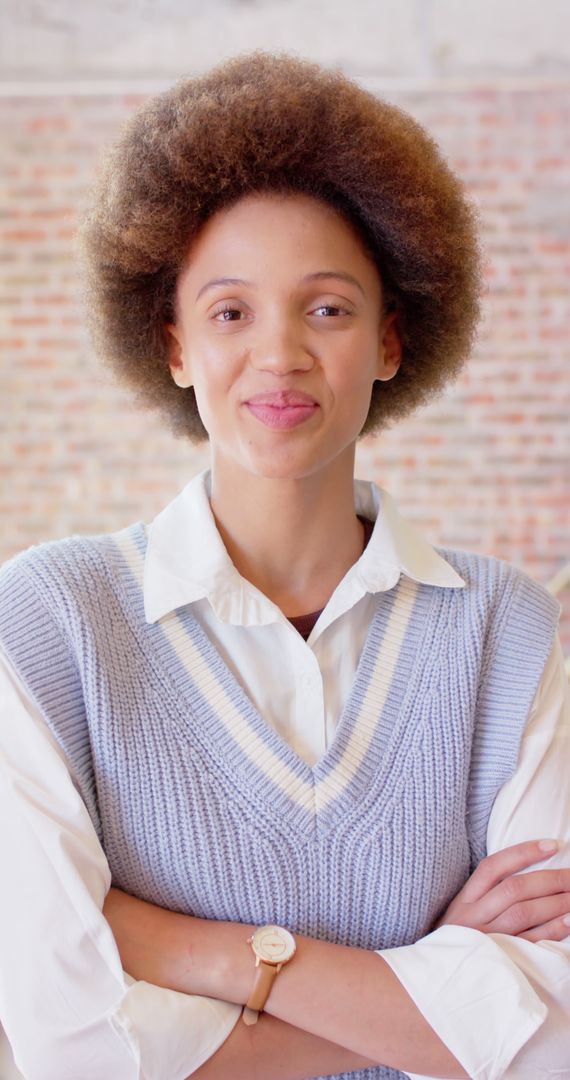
(268, 228)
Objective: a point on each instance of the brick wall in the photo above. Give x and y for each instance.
(484, 468)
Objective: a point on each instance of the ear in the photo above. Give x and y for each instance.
(177, 359)
(390, 352)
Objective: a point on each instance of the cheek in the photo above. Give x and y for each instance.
(212, 388)
(218, 362)
(355, 371)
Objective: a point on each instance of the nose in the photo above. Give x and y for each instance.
(279, 347)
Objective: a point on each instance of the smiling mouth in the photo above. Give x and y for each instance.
(282, 416)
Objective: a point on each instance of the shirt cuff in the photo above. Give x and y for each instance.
(175, 1033)
(475, 999)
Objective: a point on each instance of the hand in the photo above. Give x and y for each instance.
(498, 900)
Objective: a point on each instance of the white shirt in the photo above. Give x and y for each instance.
(491, 998)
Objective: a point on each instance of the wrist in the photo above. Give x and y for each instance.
(235, 963)
(215, 959)
(273, 947)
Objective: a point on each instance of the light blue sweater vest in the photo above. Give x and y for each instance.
(202, 808)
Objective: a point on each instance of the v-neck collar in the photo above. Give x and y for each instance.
(230, 728)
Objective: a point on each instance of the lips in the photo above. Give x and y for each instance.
(282, 399)
(282, 409)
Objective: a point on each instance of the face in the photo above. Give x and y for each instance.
(281, 332)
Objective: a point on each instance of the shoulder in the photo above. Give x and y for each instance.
(503, 607)
(497, 583)
(477, 568)
(71, 562)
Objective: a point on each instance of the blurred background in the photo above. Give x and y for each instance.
(486, 467)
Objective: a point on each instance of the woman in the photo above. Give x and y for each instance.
(295, 726)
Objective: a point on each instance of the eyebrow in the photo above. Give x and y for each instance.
(318, 275)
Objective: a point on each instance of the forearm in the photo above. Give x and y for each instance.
(273, 1050)
(156, 946)
(353, 997)
(349, 997)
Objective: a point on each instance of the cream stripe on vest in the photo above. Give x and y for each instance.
(312, 797)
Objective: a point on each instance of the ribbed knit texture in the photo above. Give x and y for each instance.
(202, 808)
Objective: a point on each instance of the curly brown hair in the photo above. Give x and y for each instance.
(264, 122)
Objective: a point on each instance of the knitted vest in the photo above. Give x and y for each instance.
(202, 808)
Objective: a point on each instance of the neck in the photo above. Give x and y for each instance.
(293, 539)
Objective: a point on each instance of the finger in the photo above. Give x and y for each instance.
(531, 914)
(536, 885)
(501, 864)
(556, 930)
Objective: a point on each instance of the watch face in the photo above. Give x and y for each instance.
(273, 944)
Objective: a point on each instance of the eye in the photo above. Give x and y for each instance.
(330, 309)
(228, 313)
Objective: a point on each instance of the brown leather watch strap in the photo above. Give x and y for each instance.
(264, 979)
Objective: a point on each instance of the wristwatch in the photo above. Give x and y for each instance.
(273, 946)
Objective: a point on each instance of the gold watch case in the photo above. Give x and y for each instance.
(272, 945)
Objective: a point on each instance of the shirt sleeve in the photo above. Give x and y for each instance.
(502, 1004)
(60, 964)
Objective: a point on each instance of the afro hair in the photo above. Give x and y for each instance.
(276, 123)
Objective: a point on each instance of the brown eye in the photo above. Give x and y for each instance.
(227, 314)
(331, 309)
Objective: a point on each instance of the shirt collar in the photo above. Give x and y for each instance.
(186, 559)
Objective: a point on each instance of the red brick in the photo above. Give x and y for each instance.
(485, 466)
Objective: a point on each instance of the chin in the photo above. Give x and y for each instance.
(291, 469)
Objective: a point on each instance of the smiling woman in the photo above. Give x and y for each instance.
(273, 756)
(319, 337)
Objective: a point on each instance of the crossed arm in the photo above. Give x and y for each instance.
(333, 1008)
